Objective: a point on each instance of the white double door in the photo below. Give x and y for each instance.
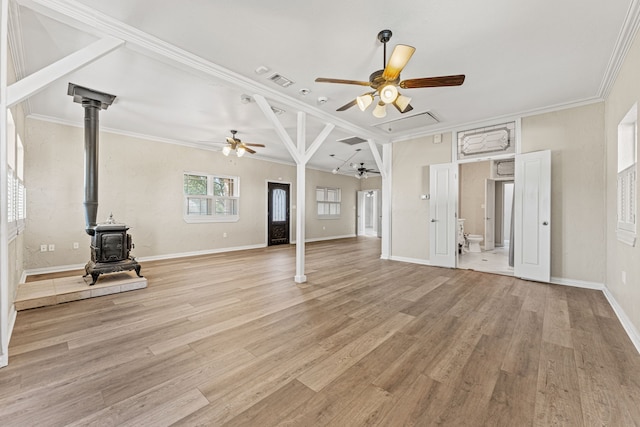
(532, 215)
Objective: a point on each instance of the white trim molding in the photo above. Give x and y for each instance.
(410, 260)
(577, 283)
(628, 326)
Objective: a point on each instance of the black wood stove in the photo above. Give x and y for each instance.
(110, 250)
(110, 244)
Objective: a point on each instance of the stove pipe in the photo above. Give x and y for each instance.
(92, 101)
(91, 124)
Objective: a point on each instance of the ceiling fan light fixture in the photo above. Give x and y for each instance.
(226, 150)
(403, 102)
(380, 111)
(388, 93)
(364, 101)
(240, 151)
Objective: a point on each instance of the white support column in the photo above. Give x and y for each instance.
(301, 199)
(4, 241)
(34, 83)
(387, 152)
(301, 156)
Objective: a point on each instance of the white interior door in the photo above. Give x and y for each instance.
(489, 214)
(360, 213)
(532, 216)
(378, 196)
(443, 188)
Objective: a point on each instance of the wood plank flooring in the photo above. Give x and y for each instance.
(230, 339)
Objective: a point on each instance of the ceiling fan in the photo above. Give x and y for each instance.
(361, 171)
(235, 144)
(385, 82)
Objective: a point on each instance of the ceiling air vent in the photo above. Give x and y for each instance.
(279, 79)
(352, 140)
(408, 123)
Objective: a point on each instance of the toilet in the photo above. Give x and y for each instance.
(474, 242)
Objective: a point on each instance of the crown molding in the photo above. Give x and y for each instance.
(623, 44)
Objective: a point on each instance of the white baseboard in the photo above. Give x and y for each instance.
(410, 260)
(47, 270)
(321, 239)
(61, 268)
(203, 252)
(629, 328)
(577, 283)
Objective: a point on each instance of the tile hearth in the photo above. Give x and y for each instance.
(42, 293)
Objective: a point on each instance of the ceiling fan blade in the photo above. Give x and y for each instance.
(348, 105)
(231, 140)
(249, 150)
(398, 60)
(406, 110)
(456, 80)
(253, 145)
(342, 81)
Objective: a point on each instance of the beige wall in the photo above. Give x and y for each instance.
(576, 139)
(621, 257)
(410, 179)
(140, 181)
(472, 178)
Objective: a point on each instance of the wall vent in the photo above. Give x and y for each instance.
(279, 79)
(352, 140)
(408, 123)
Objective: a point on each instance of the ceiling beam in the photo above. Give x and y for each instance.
(86, 19)
(277, 126)
(322, 136)
(34, 83)
(376, 156)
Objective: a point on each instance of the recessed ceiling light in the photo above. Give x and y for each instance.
(261, 69)
(304, 91)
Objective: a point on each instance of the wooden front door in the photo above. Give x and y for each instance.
(278, 222)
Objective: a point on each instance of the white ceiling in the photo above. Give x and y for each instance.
(180, 75)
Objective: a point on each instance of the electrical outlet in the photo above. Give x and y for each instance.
(624, 277)
(43, 248)
(224, 235)
(52, 247)
(75, 245)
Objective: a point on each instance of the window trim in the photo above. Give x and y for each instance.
(327, 202)
(627, 181)
(199, 219)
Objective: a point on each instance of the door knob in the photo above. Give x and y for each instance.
(545, 223)
(433, 220)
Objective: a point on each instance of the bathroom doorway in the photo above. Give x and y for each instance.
(485, 218)
(369, 212)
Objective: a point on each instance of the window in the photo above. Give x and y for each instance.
(210, 198)
(16, 194)
(328, 200)
(627, 160)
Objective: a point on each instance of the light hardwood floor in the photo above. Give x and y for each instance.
(230, 339)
